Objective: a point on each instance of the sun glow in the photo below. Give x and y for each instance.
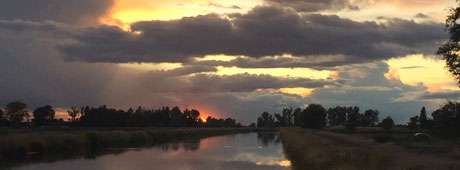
(416, 69)
(126, 12)
(151, 66)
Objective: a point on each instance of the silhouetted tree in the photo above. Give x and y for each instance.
(414, 123)
(298, 117)
(450, 50)
(279, 120)
(266, 120)
(3, 120)
(315, 116)
(177, 118)
(43, 115)
(337, 115)
(447, 120)
(73, 113)
(353, 118)
(288, 116)
(214, 122)
(424, 122)
(370, 118)
(387, 123)
(192, 117)
(16, 112)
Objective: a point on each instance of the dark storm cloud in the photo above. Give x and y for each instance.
(441, 95)
(32, 69)
(65, 11)
(248, 83)
(313, 5)
(315, 62)
(164, 82)
(264, 31)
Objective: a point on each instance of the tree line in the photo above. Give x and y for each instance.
(315, 116)
(16, 114)
(444, 121)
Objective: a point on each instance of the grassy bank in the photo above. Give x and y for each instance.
(25, 145)
(327, 150)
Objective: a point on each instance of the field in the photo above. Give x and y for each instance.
(322, 150)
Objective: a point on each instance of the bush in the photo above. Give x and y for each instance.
(37, 147)
(383, 138)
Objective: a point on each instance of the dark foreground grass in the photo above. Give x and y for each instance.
(320, 150)
(20, 147)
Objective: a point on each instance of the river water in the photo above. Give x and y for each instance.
(252, 151)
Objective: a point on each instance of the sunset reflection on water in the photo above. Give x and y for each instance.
(243, 151)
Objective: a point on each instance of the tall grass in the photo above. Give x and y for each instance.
(307, 150)
(320, 150)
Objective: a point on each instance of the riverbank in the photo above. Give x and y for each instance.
(324, 150)
(26, 145)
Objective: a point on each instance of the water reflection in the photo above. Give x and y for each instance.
(243, 151)
(190, 145)
(268, 138)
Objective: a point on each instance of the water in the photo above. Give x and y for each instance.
(234, 152)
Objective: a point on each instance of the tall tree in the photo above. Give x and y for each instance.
(73, 113)
(370, 117)
(450, 50)
(387, 123)
(288, 116)
(353, 117)
(447, 120)
(266, 120)
(298, 117)
(16, 112)
(43, 115)
(423, 119)
(315, 116)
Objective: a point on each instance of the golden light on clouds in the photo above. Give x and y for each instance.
(126, 12)
(408, 9)
(151, 66)
(279, 72)
(304, 92)
(416, 69)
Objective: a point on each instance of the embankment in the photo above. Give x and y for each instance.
(322, 150)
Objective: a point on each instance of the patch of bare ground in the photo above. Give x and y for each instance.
(323, 150)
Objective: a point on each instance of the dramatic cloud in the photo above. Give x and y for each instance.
(447, 95)
(264, 31)
(32, 70)
(322, 62)
(314, 5)
(368, 87)
(53, 52)
(68, 11)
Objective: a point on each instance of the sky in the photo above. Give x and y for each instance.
(226, 57)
